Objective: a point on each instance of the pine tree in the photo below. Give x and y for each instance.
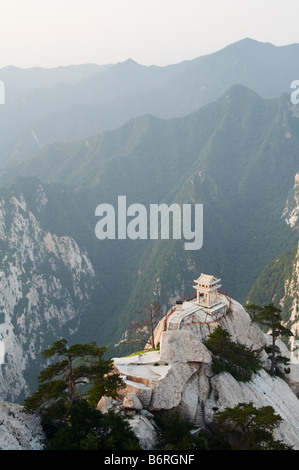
(89, 429)
(233, 357)
(80, 365)
(71, 421)
(270, 316)
(253, 310)
(248, 428)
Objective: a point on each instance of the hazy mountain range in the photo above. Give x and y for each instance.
(219, 130)
(70, 103)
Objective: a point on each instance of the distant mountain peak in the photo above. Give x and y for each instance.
(250, 41)
(129, 63)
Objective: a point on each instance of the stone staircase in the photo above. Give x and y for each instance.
(199, 416)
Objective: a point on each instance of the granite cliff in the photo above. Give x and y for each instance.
(179, 375)
(45, 284)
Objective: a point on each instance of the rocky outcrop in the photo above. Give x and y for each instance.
(179, 375)
(45, 284)
(183, 346)
(291, 300)
(291, 211)
(141, 421)
(262, 390)
(20, 430)
(278, 283)
(291, 291)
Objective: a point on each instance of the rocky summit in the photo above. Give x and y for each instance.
(178, 376)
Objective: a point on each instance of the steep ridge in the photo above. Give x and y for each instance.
(19, 80)
(179, 375)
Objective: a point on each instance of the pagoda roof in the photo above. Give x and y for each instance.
(206, 279)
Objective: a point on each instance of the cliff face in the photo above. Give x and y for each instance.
(279, 283)
(19, 429)
(291, 296)
(179, 376)
(291, 210)
(45, 282)
(290, 300)
(279, 280)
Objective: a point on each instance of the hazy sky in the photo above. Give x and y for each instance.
(61, 32)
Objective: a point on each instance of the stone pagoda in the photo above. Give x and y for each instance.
(206, 287)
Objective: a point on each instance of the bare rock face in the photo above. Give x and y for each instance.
(145, 431)
(292, 378)
(291, 210)
(20, 430)
(183, 346)
(159, 378)
(262, 390)
(185, 352)
(45, 283)
(179, 376)
(104, 405)
(142, 392)
(188, 405)
(167, 393)
(132, 402)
